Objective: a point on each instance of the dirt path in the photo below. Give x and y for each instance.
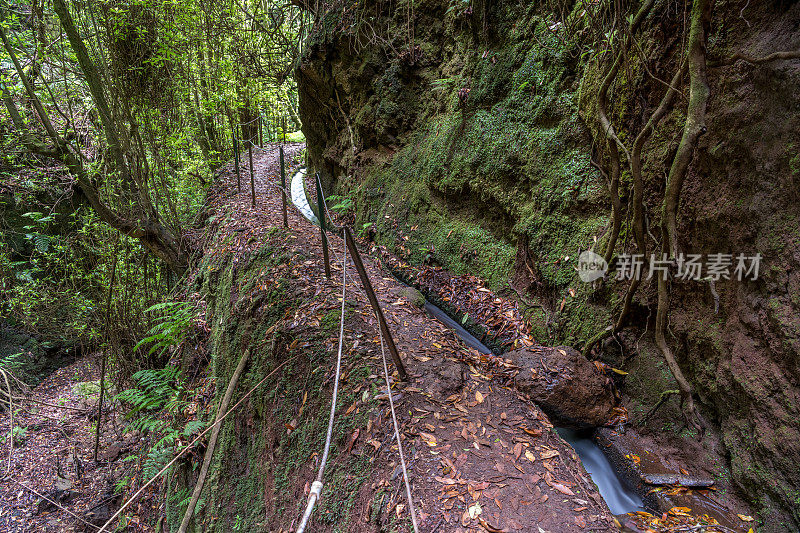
(482, 457)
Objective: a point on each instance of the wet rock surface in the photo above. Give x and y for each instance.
(570, 389)
(446, 175)
(668, 475)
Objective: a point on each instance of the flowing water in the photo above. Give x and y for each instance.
(618, 496)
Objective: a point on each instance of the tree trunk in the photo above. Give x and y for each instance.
(147, 227)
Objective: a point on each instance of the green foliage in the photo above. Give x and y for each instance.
(19, 434)
(505, 166)
(156, 389)
(11, 361)
(341, 204)
(49, 286)
(457, 6)
(296, 137)
(171, 327)
(364, 229)
(156, 404)
(179, 98)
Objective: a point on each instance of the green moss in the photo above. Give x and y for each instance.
(87, 389)
(259, 467)
(330, 321)
(510, 164)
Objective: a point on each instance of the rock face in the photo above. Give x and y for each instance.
(35, 359)
(568, 387)
(473, 143)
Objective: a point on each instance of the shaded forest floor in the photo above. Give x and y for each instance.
(54, 458)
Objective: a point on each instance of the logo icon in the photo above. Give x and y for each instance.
(591, 266)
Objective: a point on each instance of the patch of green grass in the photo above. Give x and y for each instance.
(88, 389)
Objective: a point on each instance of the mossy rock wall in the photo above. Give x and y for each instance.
(259, 470)
(469, 144)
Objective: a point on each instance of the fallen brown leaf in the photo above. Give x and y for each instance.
(562, 489)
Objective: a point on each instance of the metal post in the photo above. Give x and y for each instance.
(236, 156)
(321, 214)
(283, 191)
(268, 125)
(373, 300)
(260, 129)
(252, 179)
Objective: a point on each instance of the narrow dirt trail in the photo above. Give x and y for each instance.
(481, 457)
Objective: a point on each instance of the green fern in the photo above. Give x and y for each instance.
(155, 404)
(11, 361)
(156, 388)
(172, 326)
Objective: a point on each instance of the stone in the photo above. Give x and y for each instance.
(413, 295)
(571, 390)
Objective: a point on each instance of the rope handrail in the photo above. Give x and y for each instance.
(316, 486)
(397, 436)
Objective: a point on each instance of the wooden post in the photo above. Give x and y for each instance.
(284, 130)
(373, 300)
(283, 191)
(321, 214)
(252, 179)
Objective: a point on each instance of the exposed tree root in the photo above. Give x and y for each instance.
(636, 158)
(695, 122)
(612, 140)
(793, 54)
(694, 127)
(638, 204)
(686, 390)
(661, 401)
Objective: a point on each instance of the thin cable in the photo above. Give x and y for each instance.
(188, 446)
(246, 123)
(316, 486)
(397, 436)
